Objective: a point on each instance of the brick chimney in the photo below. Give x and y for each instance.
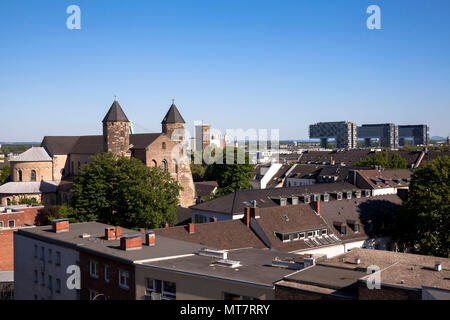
(113, 233)
(60, 225)
(191, 228)
(150, 238)
(316, 206)
(254, 212)
(247, 216)
(166, 225)
(131, 242)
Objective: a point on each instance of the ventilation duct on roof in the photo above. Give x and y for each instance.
(221, 254)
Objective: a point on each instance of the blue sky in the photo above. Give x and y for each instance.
(233, 64)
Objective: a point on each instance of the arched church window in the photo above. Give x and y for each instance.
(164, 145)
(154, 163)
(164, 165)
(33, 175)
(20, 175)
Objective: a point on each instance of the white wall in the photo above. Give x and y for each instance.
(219, 216)
(383, 191)
(25, 265)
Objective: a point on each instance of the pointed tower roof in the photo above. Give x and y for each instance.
(115, 114)
(173, 115)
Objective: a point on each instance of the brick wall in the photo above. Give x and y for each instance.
(388, 293)
(112, 289)
(6, 250)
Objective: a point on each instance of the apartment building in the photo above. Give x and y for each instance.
(363, 274)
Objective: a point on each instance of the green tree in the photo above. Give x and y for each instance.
(47, 214)
(380, 159)
(424, 222)
(231, 175)
(6, 171)
(122, 191)
(397, 162)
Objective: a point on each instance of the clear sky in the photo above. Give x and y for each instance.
(275, 64)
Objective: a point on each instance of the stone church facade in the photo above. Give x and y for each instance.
(67, 154)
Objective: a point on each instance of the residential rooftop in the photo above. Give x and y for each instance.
(255, 266)
(97, 244)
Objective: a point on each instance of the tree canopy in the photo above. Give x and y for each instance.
(231, 175)
(424, 222)
(6, 171)
(122, 191)
(382, 159)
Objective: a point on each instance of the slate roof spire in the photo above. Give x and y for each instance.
(115, 113)
(173, 115)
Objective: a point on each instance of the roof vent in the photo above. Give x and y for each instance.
(438, 266)
(357, 261)
(228, 263)
(287, 263)
(221, 254)
(85, 235)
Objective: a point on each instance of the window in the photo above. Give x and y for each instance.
(1, 224)
(33, 175)
(50, 256)
(310, 234)
(36, 276)
(285, 237)
(356, 227)
(164, 165)
(93, 270)
(35, 250)
(58, 285)
(11, 223)
(124, 279)
(324, 232)
(50, 282)
(42, 253)
(106, 273)
(301, 235)
(167, 289)
(294, 236)
(58, 258)
(20, 175)
(42, 279)
(164, 145)
(232, 296)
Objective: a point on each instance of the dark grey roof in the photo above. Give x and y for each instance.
(88, 145)
(255, 266)
(143, 140)
(173, 115)
(165, 247)
(115, 113)
(59, 145)
(234, 203)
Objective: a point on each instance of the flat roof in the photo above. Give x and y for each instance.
(97, 244)
(256, 266)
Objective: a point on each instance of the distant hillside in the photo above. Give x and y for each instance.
(438, 138)
(17, 147)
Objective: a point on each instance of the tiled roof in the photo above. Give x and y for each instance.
(378, 210)
(59, 145)
(34, 154)
(386, 177)
(234, 203)
(205, 188)
(230, 234)
(289, 219)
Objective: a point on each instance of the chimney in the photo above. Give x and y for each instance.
(247, 216)
(142, 230)
(438, 266)
(150, 238)
(254, 212)
(357, 261)
(131, 242)
(119, 232)
(316, 206)
(166, 225)
(60, 225)
(110, 233)
(191, 228)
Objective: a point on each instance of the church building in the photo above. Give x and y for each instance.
(46, 173)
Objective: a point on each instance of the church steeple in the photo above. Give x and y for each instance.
(173, 122)
(116, 130)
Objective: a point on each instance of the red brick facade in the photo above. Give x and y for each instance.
(112, 290)
(6, 250)
(388, 293)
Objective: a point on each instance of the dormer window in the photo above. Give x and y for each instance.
(283, 201)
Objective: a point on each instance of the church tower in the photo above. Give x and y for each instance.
(173, 124)
(116, 131)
